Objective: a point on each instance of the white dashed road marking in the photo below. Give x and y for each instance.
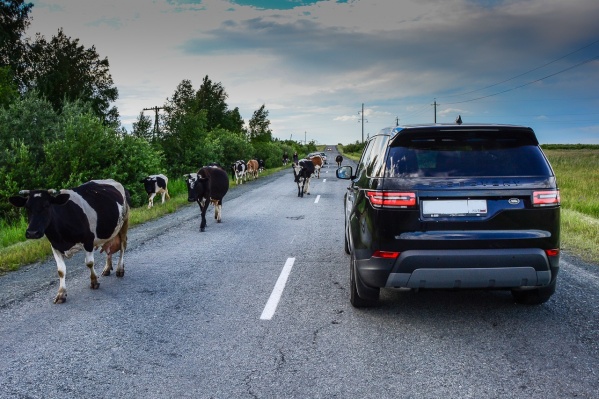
(275, 296)
(317, 199)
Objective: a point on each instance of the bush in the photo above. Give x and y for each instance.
(270, 152)
(236, 145)
(356, 147)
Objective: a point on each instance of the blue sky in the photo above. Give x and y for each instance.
(314, 63)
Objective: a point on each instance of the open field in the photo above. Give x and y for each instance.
(577, 173)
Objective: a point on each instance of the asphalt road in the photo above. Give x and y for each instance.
(258, 307)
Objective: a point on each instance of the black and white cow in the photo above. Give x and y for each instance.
(302, 172)
(261, 165)
(155, 184)
(239, 171)
(91, 216)
(209, 185)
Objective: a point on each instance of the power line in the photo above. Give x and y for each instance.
(525, 73)
(526, 84)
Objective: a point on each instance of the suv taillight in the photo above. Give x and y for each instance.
(545, 198)
(391, 199)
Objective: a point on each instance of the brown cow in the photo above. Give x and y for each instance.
(252, 168)
(318, 162)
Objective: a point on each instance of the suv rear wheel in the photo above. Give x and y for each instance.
(354, 280)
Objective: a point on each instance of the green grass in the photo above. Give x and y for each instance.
(577, 172)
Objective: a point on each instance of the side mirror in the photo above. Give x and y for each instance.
(344, 172)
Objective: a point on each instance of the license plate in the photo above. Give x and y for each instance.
(454, 208)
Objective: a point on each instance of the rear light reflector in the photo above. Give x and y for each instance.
(391, 199)
(385, 254)
(545, 198)
(552, 252)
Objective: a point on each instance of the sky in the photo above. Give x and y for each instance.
(333, 71)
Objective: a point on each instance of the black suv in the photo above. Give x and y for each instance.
(452, 207)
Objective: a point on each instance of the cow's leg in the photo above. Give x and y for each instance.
(151, 200)
(62, 274)
(108, 266)
(299, 193)
(120, 266)
(167, 196)
(203, 207)
(163, 195)
(89, 262)
(307, 184)
(218, 208)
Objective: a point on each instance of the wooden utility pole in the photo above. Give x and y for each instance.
(155, 109)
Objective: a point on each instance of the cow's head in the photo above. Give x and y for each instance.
(296, 172)
(38, 205)
(149, 184)
(197, 186)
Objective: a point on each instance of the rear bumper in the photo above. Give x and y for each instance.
(447, 269)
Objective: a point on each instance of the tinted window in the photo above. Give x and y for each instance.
(465, 157)
(364, 159)
(377, 156)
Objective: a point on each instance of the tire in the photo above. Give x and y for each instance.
(535, 296)
(354, 298)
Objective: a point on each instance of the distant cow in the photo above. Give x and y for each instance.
(252, 169)
(318, 162)
(209, 185)
(339, 160)
(155, 184)
(261, 165)
(239, 171)
(93, 215)
(302, 172)
(285, 159)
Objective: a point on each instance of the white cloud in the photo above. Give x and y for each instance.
(313, 66)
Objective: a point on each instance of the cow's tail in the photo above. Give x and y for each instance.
(127, 197)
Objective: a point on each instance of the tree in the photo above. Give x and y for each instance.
(143, 127)
(31, 120)
(211, 97)
(8, 88)
(87, 151)
(62, 70)
(233, 121)
(180, 104)
(259, 129)
(14, 20)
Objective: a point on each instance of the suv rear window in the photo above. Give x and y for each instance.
(456, 155)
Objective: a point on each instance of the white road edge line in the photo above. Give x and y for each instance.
(275, 296)
(317, 199)
(324, 180)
